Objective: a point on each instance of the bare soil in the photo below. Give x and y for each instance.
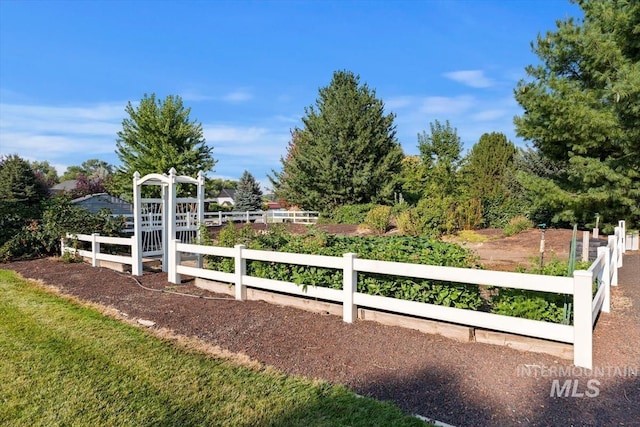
(464, 384)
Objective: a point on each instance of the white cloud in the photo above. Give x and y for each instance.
(488, 115)
(399, 102)
(446, 105)
(473, 78)
(59, 133)
(237, 96)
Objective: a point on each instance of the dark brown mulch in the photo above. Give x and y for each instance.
(465, 384)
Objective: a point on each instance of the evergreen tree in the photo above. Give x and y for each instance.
(485, 172)
(346, 152)
(157, 136)
(582, 108)
(21, 195)
(248, 194)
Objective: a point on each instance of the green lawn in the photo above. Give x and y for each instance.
(65, 364)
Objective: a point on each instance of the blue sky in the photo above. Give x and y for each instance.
(248, 69)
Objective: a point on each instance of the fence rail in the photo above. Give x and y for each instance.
(586, 305)
(96, 255)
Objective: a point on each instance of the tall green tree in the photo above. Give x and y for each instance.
(159, 135)
(92, 168)
(582, 108)
(21, 195)
(441, 153)
(346, 152)
(248, 194)
(45, 172)
(484, 175)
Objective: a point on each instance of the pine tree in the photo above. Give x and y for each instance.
(346, 152)
(21, 195)
(248, 194)
(582, 108)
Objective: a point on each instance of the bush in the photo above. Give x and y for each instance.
(517, 225)
(42, 237)
(409, 223)
(378, 219)
(352, 214)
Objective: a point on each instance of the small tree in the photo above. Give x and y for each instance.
(248, 194)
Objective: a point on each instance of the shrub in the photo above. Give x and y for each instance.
(378, 219)
(42, 237)
(517, 225)
(352, 214)
(409, 223)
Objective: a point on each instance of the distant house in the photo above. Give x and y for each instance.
(65, 186)
(226, 197)
(94, 202)
(274, 206)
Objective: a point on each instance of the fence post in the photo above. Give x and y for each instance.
(613, 247)
(582, 319)
(95, 250)
(585, 246)
(606, 278)
(173, 261)
(62, 251)
(350, 286)
(240, 270)
(136, 267)
(618, 235)
(623, 236)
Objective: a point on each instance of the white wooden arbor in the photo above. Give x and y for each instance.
(157, 221)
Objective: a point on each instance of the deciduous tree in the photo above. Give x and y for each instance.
(159, 135)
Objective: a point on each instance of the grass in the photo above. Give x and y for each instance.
(472, 237)
(63, 363)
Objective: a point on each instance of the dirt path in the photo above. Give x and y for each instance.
(464, 384)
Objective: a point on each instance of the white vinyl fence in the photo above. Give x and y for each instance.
(270, 216)
(95, 254)
(586, 307)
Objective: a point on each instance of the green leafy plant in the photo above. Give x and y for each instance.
(419, 250)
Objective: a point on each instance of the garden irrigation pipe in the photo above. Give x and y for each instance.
(164, 291)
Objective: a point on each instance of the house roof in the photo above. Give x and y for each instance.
(94, 202)
(67, 185)
(226, 192)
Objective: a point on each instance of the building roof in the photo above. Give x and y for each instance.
(226, 192)
(67, 185)
(94, 202)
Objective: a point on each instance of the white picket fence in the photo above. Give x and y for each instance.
(586, 307)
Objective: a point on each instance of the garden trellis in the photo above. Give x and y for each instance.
(158, 221)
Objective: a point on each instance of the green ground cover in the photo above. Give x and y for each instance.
(65, 364)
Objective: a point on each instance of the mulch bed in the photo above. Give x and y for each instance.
(464, 384)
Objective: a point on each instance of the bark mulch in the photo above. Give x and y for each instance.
(464, 384)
